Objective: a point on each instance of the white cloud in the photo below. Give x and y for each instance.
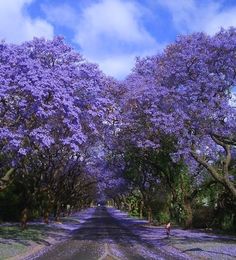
(192, 15)
(117, 65)
(223, 19)
(17, 26)
(113, 18)
(63, 15)
(109, 32)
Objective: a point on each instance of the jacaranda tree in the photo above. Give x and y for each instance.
(185, 92)
(52, 107)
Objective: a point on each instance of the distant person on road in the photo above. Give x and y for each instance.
(168, 225)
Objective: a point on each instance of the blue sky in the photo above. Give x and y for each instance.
(113, 32)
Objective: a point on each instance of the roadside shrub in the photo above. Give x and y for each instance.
(10, 203)
(203, 217)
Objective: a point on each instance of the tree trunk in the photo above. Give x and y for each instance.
(224, 180)
(5, 180)
(122, 206)
(149, 214)
(57, 213)
(57, 217)
(24, 218)
(141, 209)
(188, 212)
(46, 217)
(129, 207)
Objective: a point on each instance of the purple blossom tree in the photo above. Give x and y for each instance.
(53, 106)
(185, 92)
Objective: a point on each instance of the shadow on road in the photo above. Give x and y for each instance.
(104, 234)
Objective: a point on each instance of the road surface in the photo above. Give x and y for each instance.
(104, 236)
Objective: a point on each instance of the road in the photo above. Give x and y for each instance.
(104, 237)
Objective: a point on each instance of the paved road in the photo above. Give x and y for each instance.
(103, 237)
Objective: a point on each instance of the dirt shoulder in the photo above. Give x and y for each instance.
(16, 244)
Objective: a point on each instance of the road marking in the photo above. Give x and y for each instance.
(108, 254)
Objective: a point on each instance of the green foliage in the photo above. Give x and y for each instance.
(14, 199)
(215, 208)
(228, 222)
(163, 217)
(10, 204)
(173, 193)
(203, 217)
(132, 203)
